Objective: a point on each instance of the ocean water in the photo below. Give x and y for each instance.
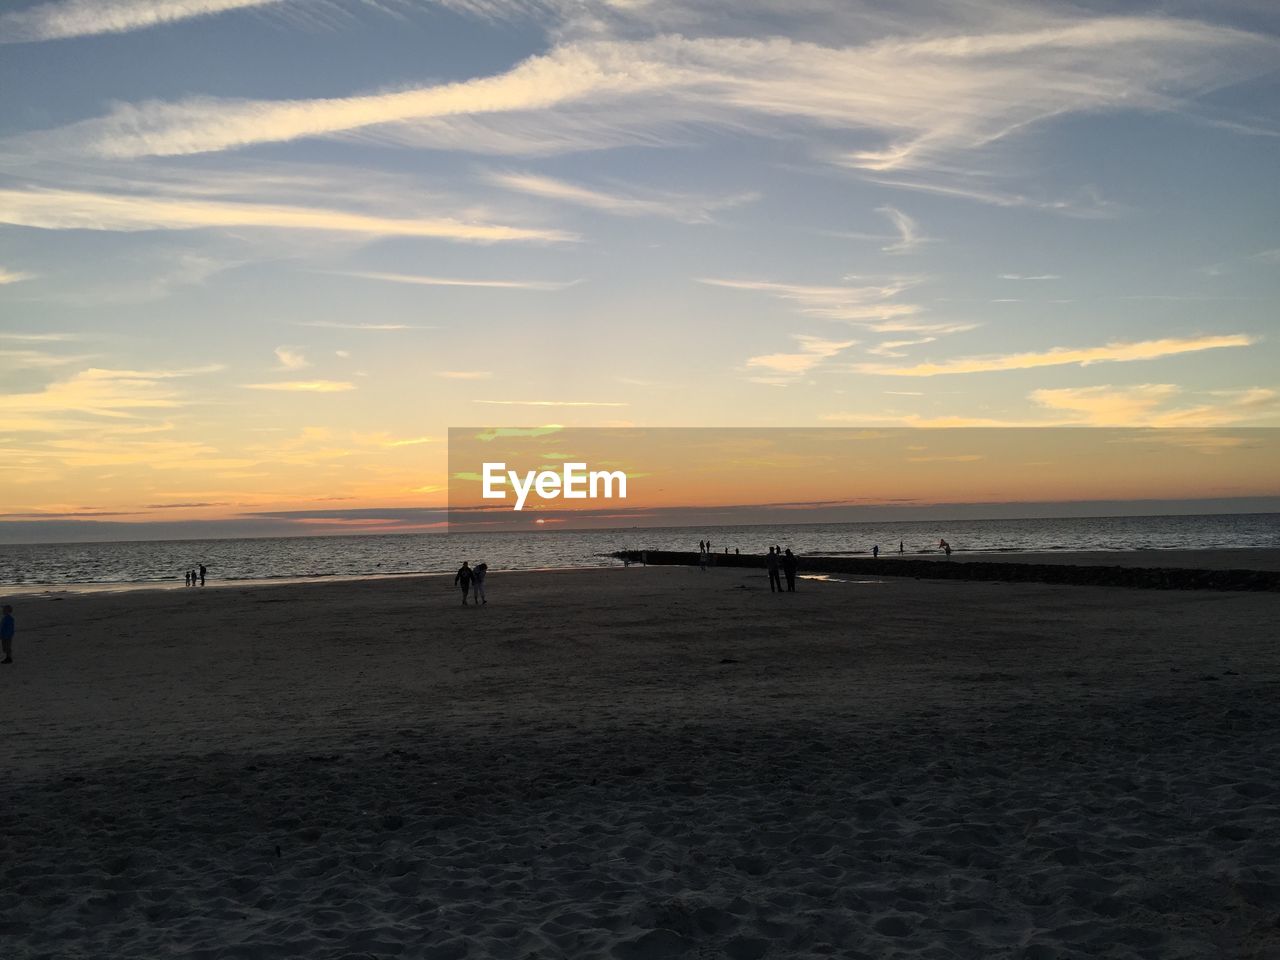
(348, 556)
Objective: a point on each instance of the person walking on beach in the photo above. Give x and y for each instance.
(202, 573)
(463, 579)
(789, 568)
(482, 570)
(7, 630)
(771, 564)
(901, 549)
(875, 552)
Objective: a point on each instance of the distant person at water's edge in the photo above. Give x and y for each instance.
(203, 571)
(789, 568)
(875, 551)
(901, 547)
(463, 579)
(771, 564)
(481, 571)
(7, 629)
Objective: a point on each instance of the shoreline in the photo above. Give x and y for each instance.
(1189, 558)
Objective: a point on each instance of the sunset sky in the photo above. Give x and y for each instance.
(257, 256)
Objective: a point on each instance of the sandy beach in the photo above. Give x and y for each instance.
(642, 763)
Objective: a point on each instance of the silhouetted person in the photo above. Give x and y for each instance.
(946, 547)
(702, 559)
(875, 551)
(736, 551)
(702, 546)
(7, 629)
(481, 571)
(186, 578)
(901, 550)
(771, 564)
(789, 568)
(202, 573)
(463, 579)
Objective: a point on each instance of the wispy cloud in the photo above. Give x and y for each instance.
(13, 276)
(93, 393)
(918, 98)
(464, 374)
(1060, 356)
(81, 210)
(341, 325)
(290, 359)
(1026, 276)
(626, 203)
(868, 305)
(410, 278)
(813, 350)
(1149, 405)
(893, 348)
(908, 231)
(37, 359)
(82, 18)
(552, 403)
(303, 386)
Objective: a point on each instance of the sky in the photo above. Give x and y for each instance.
(258, 256)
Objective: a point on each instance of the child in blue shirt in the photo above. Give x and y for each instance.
(6, 634)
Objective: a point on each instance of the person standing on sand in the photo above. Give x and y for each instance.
(463, 579)
(481, 571)
(900, 548)
(771, 564)
(202, 573)
(7, 630)
(789, 568)
(875, 552)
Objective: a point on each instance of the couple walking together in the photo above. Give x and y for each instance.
(472, 578)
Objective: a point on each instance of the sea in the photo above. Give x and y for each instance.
(306, 558)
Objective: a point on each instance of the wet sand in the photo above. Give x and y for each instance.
(640, 763)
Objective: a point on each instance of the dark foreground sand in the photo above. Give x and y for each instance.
(642, 763)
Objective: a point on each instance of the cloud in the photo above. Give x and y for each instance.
(290, 359)
(923, 96)
(13, 276)
(40, 337)
(464, 374)
(813, 350)
(681, 207)
(340, 325)
(1147, 405)
(1059, 356)
(892, 348)
(411, 442)
(457, 282)
(303, 386)
(551, 403)
(871, 306)
(83, 18)
(1023, 276)
(91, 394)
(82, 210)
(908, 231)
(34, 359)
